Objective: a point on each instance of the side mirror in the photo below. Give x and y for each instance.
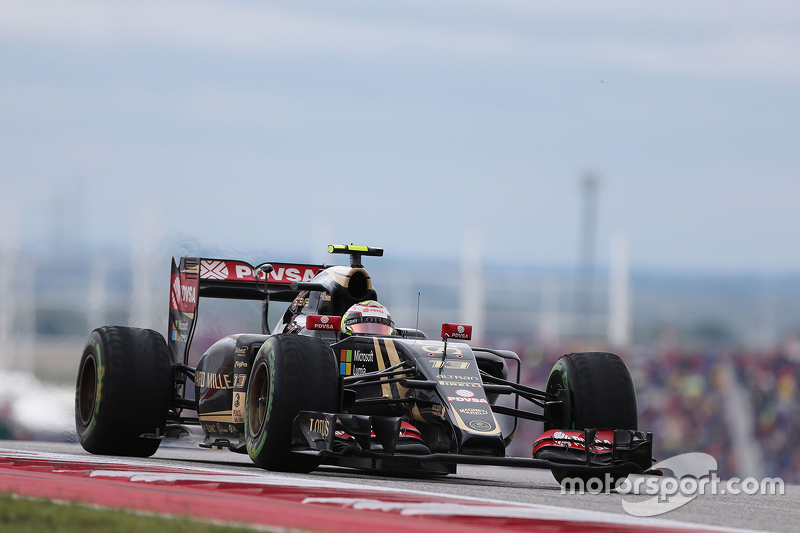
(324, 323)
(456, 331)
(263, 270)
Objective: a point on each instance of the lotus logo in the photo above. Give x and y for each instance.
(324, 319)
(464, 393)
(460, 329)
(480, 425)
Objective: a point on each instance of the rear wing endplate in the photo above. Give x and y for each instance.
(196, 277)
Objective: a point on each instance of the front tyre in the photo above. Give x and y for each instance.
(601, 393)
(123, 391)
(290, 373)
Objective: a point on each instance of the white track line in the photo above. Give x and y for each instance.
(486, 507)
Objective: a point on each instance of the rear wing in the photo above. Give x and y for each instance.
(196, 278)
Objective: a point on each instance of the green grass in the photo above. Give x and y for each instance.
(22, 515)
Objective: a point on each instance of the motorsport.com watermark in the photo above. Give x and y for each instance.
(695, 474)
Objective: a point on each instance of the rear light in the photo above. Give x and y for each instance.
(456, 331)
(324, 323)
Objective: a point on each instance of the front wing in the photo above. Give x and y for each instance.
(387, 439)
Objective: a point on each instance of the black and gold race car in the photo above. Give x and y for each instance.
(335, 382)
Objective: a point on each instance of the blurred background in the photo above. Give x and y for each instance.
(565, 176)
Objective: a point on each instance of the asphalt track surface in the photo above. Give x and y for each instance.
(492, 498)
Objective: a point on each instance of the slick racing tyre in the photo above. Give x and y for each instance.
(123, 391)
(601, 393)
(290, 373)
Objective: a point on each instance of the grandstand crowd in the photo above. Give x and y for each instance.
(684, 399)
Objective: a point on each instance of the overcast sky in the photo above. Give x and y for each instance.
(405, 124)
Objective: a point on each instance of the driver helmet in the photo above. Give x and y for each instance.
(367, 318)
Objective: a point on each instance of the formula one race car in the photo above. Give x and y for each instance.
(336, 383)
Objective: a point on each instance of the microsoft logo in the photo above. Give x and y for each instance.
(346, 363)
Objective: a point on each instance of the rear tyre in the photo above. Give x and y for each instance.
(123, 391)
(601, 393)
(290, 373)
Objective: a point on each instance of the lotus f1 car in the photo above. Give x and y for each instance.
(306, 393)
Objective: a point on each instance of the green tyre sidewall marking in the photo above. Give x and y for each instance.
(556, 368)
(255, 445)
(565, 383)
(560, 369)
(100, 369)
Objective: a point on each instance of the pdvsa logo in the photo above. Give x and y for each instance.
(182, 296)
